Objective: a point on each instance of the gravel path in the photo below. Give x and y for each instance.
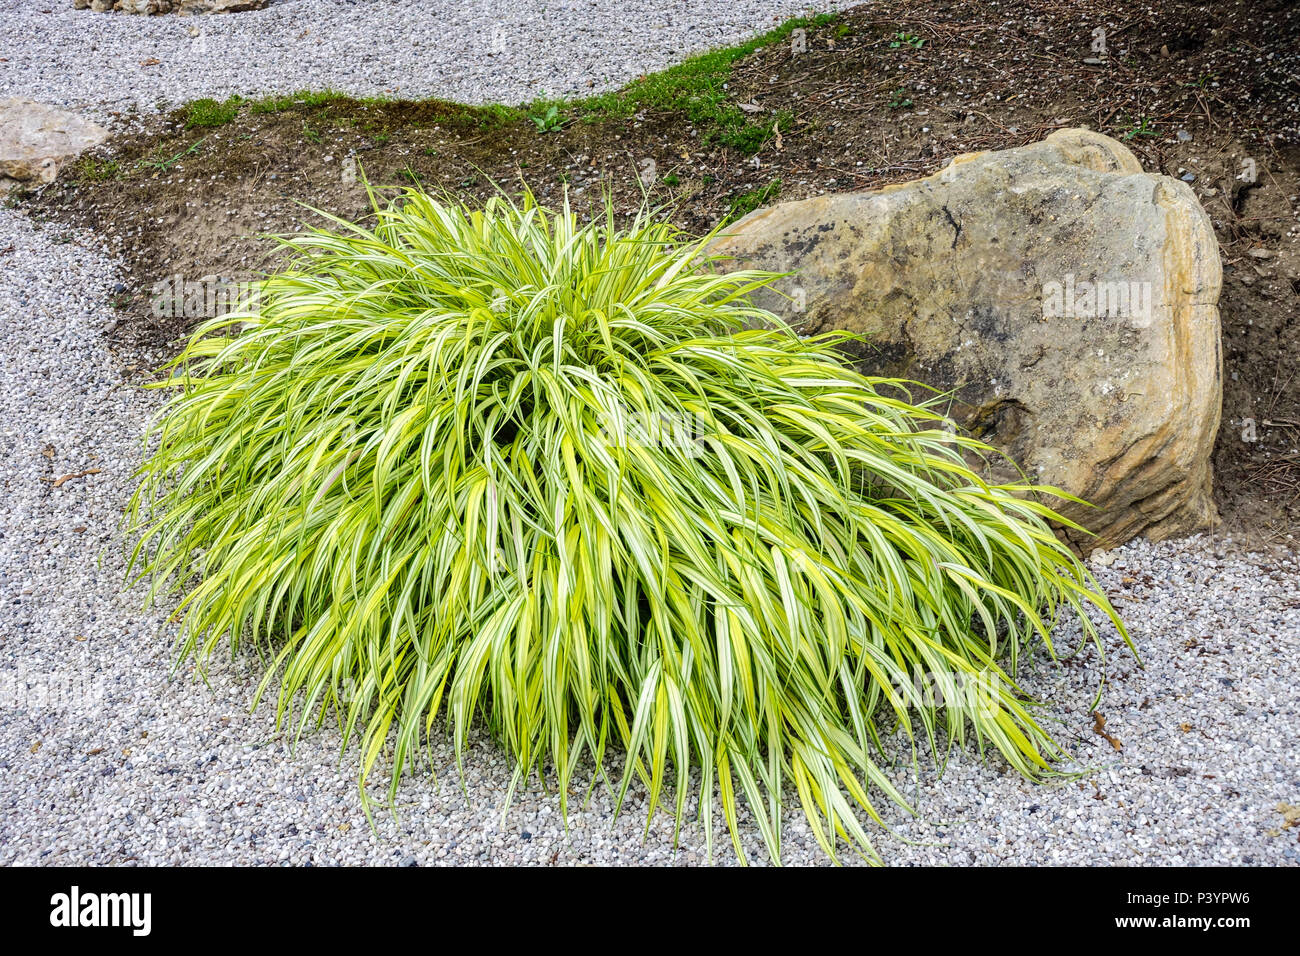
(106, 757)
(472, 51)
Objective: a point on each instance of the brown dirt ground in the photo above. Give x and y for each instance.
(1194, 89)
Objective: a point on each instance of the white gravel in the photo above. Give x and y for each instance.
(107, 758)
(473, 51)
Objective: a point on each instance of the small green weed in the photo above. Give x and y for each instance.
(208, 112)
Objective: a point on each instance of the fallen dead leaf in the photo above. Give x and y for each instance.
(152, 61)
(58, 482)
(1099, 728)
(1290, 815)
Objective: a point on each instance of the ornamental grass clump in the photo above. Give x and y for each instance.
(565, 479)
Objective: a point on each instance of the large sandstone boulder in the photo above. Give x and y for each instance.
(1065, 298)
(35, 140)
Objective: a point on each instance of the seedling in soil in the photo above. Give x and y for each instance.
(98, 170)
(1143, 127)
(548, 122)
(746, 203)
(899, 101)
(163, 165)
(909, 39)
